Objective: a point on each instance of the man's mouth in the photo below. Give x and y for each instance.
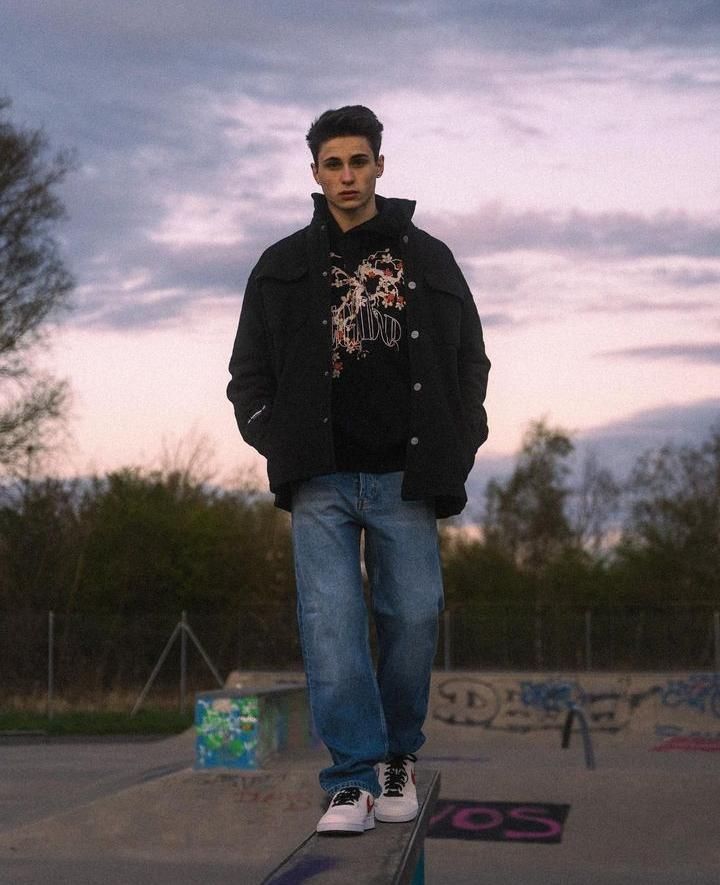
(348, 193)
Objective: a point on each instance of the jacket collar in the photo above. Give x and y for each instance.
(394, 215)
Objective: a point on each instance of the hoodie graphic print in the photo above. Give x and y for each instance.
(363, 312)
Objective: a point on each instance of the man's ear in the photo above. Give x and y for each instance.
(314, 172)
(380, 165)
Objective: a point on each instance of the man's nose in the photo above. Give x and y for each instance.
(347, 173)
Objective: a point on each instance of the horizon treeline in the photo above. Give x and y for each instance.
(130, 550)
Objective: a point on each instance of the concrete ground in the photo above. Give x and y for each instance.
(639, 817)
(117, 812)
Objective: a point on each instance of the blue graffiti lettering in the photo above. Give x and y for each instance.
(700, 691)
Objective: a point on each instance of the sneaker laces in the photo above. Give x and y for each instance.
(346, 796)
(396, 775)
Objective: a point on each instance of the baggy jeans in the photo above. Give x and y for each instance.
(364, 716)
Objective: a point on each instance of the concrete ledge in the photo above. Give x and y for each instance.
(682, 704)
(243, 727)
(391, 854)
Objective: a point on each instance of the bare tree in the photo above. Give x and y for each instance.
(190, 459)
(34, 286)
(596, 507)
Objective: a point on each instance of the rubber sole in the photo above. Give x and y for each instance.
(339, 829)
(395, 819)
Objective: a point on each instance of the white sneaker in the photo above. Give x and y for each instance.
(398, 802)
(351, 811)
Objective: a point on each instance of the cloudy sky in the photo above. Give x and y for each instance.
(566, 151)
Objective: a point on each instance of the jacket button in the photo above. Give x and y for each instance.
(417, 386)
(405, 238)
(414, 334)
(412, 284)
(325, 273)
(324, 322)
(325, 420)
(326, 374)
(414, 440)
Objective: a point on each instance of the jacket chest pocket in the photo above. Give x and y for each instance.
(286, 301)
(445, 299)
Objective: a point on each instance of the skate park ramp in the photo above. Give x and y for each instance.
(136, 811)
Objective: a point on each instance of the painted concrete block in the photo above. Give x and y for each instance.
(241, 728)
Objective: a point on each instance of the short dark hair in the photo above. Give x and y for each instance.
(352, 119)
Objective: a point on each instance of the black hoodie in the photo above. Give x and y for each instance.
(371, 373)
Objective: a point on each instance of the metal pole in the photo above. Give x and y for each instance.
(576, 712)
(198, 646)
(506, 638)
(51, 664)
(588, 639)
(716, 624)
(183, 661)
(148, 684)
(539, 650)
(447, 657)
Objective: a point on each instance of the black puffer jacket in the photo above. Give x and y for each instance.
(281, 367)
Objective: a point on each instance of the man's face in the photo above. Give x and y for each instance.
(346, 171)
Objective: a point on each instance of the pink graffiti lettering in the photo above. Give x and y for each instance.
(535, 815)
(465, 819)
(436, 818)
(689, 742)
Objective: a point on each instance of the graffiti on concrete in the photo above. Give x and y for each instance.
(701, 691)
(226, 731)
(550, 697)
(689, 742)
(498, 821)
(303, 869)
(467, 701)
(668, 730)
(238, 730)
(610, 704)
(277, 789)
(522, 705)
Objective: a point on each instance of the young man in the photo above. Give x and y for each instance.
(359, 371)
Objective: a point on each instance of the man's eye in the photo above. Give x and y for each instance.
(359, 161)
(332, 164)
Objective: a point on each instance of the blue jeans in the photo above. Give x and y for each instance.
(363, 716)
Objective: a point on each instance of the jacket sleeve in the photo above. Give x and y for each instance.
(473, 370)
(252, 380)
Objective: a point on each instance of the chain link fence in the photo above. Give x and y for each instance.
(626, 638)
(78, 656)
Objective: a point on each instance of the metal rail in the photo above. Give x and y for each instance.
(577, 712)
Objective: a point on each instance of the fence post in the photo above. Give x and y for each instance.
(588, 639)
(506, 638)
(716, 624)
(239, 641)
(447, 655)
(538, 639)
(183, 661)
(51, 664)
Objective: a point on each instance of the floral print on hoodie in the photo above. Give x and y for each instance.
(364, 310)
